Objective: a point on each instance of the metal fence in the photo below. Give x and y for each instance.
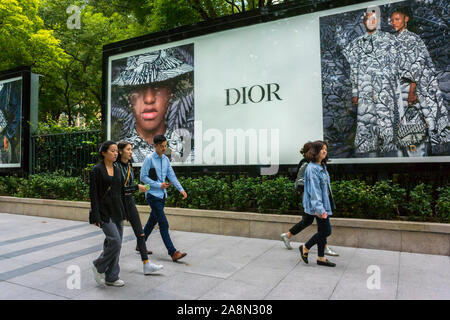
(69, 152)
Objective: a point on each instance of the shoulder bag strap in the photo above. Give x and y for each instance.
(128, 176)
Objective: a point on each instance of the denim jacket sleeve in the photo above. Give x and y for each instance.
(317, 203)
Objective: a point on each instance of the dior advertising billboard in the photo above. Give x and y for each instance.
(372, 79)
(10, 122)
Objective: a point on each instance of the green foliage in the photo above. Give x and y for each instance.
(443, 203)
(9, 185)
(244, 193)
(348, 196)
(421, 200)
(278, 194)
(52, 127)
(25, 39)
(203, 193)
(387, 199)
(46, 186)
(354, 198)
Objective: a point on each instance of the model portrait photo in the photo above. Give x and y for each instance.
(386, 81)
(152, 94)
(10, 122)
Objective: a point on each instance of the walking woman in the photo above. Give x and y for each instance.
(107, 211)
(307, 219)
(318, 201)
(131, 213)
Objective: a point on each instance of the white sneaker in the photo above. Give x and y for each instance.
(99, 277)
(150, 268)
(286, 240)
(330, 252)
(117, 283)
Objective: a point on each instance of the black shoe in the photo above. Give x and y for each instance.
(304, 255)
(326, 263)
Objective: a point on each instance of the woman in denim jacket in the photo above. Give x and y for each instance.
(318, 200)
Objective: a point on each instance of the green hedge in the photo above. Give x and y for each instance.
(46, 186)
(354, 198)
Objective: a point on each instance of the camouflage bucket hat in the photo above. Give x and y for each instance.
(156, 66)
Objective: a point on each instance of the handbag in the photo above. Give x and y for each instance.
(409, 135)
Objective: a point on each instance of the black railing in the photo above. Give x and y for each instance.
(69, 152)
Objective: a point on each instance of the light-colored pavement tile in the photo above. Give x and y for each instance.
(11, 291)
(303, 286)
(217, 267)
(235, 290)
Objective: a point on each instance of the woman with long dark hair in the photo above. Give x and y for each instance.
(318, 200)
(132, 215)
(106, 192)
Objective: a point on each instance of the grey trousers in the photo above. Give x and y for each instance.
(108, 261)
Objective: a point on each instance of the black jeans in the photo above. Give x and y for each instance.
(320, 238)
(135, 221)
(306, 221)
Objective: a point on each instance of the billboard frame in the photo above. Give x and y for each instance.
(25, 73)
(244, 19)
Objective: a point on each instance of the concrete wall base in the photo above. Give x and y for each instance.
(416, 237)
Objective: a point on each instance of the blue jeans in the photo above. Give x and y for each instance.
(157, 216)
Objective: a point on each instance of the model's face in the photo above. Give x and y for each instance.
(161, 148)
(126, 153)
(399, 21)
(111, 154)
(149, 107)
(323, 153)
(370, 21)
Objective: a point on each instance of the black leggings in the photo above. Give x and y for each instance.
(135, 221)
(306, 221)
(320, 238)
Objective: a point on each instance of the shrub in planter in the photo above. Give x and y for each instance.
(354, 198)
(420, 203)
(349, 197)
(203, 193)
(387, 199)
(53, 186)
(244, 193)
(443, 203)
(9, 185)
(277, 194)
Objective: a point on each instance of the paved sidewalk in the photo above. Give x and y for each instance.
(39, 259)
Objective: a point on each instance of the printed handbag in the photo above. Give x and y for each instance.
(410, 135)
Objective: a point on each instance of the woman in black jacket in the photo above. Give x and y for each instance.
(107, 211)
(132, 215)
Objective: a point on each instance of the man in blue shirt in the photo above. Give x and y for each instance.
(155, 169)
